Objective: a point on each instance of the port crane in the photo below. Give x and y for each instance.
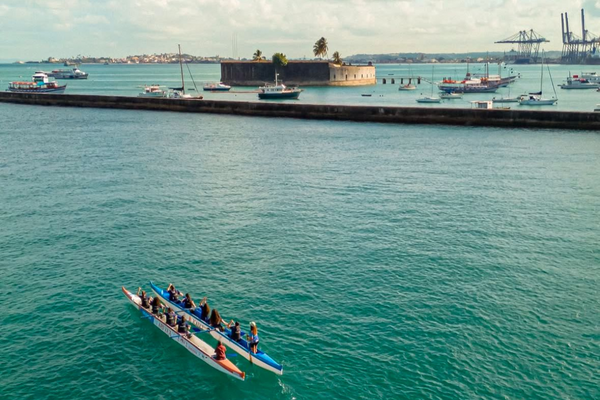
(528, 46)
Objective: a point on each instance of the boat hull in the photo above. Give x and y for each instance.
(542, 102)
(276, 96)
(194, 345)
(216, 89)
(60, 89)
(580, 87)
(259, 359)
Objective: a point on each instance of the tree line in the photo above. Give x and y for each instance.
(320, 50)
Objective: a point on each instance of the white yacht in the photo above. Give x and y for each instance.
(153, 91)
(575, 82)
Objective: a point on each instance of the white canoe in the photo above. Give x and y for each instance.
(194, 345)
(260, 358)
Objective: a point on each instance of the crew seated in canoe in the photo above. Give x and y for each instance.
(220, 352)
(204, 310)
(236, 330)
(171, 317)
(253, 337)
(183, 327)
(173, 293)
(216, 321)
(188, 302)
(156, 306)
(144, 298)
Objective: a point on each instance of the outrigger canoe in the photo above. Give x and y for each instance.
(260, 358)
(193, 344)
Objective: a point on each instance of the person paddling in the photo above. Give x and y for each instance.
(216, 321)
(173, 293)
(156, 306)
(171, 317)
(220, 352)
(253, 338)
(204, 310)
(188, 302)
(236, 330)
(182, 327)
(144, 298)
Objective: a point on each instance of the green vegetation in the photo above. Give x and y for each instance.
(279, 60)
(320, 48)
(257, 56)
(337, 58)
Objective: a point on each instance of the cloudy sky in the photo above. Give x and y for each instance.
(36, 29)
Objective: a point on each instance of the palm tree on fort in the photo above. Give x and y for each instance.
(257, 56)
(337, 58)
(320, 48)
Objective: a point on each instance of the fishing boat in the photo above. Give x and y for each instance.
(216, 87)
(260, 358)
(153, 91)
(74, 73)
(430, 99)
(575, 82)
(192, 343)
(536, 99)
(278, 91)
(40, 84)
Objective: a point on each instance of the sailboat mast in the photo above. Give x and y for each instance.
(181, 68)
(542, 75)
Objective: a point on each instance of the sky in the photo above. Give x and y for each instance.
(38, 29)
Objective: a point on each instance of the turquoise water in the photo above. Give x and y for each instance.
(124, 79)
(379, 261)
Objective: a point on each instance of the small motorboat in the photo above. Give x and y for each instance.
(451, 96)
(216, 87)
(429, 100)
(408, 86)
(153, 91)
(278, 91)
(575, 82)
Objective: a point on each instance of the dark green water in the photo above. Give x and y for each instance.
(379, 261)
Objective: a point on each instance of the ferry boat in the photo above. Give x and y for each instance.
(216, 87)
(575, 82)
(278, 91)
(74, 73)
(40, 84)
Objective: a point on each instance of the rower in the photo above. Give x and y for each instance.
(188, 302)
(182, 327)
(173, 293)
(236, 330)
(204, 310)
(155, 305)
(216, 320)
(144, 298)
(171, 317)
(253, 337)
(220, 352)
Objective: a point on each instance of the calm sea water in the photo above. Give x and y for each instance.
(124, 79)
(379, 261)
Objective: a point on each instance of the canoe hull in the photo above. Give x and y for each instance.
(224, 366)
(260, 360)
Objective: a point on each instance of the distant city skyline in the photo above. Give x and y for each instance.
(38, 29)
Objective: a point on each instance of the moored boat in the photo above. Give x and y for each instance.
(153, 91)
(260, 358)
(192, 343)
(536, 100)
(216, 87)
(408, 86)
(40, 84)
(451, 96)
(278, 91)
(429, 100)
(575, 82)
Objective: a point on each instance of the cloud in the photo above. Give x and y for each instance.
(205, 27)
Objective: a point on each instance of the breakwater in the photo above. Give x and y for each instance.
(521, 118)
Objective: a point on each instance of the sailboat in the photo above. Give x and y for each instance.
(179, 93)
(430, 99)
(535, 99)
(506, 99)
